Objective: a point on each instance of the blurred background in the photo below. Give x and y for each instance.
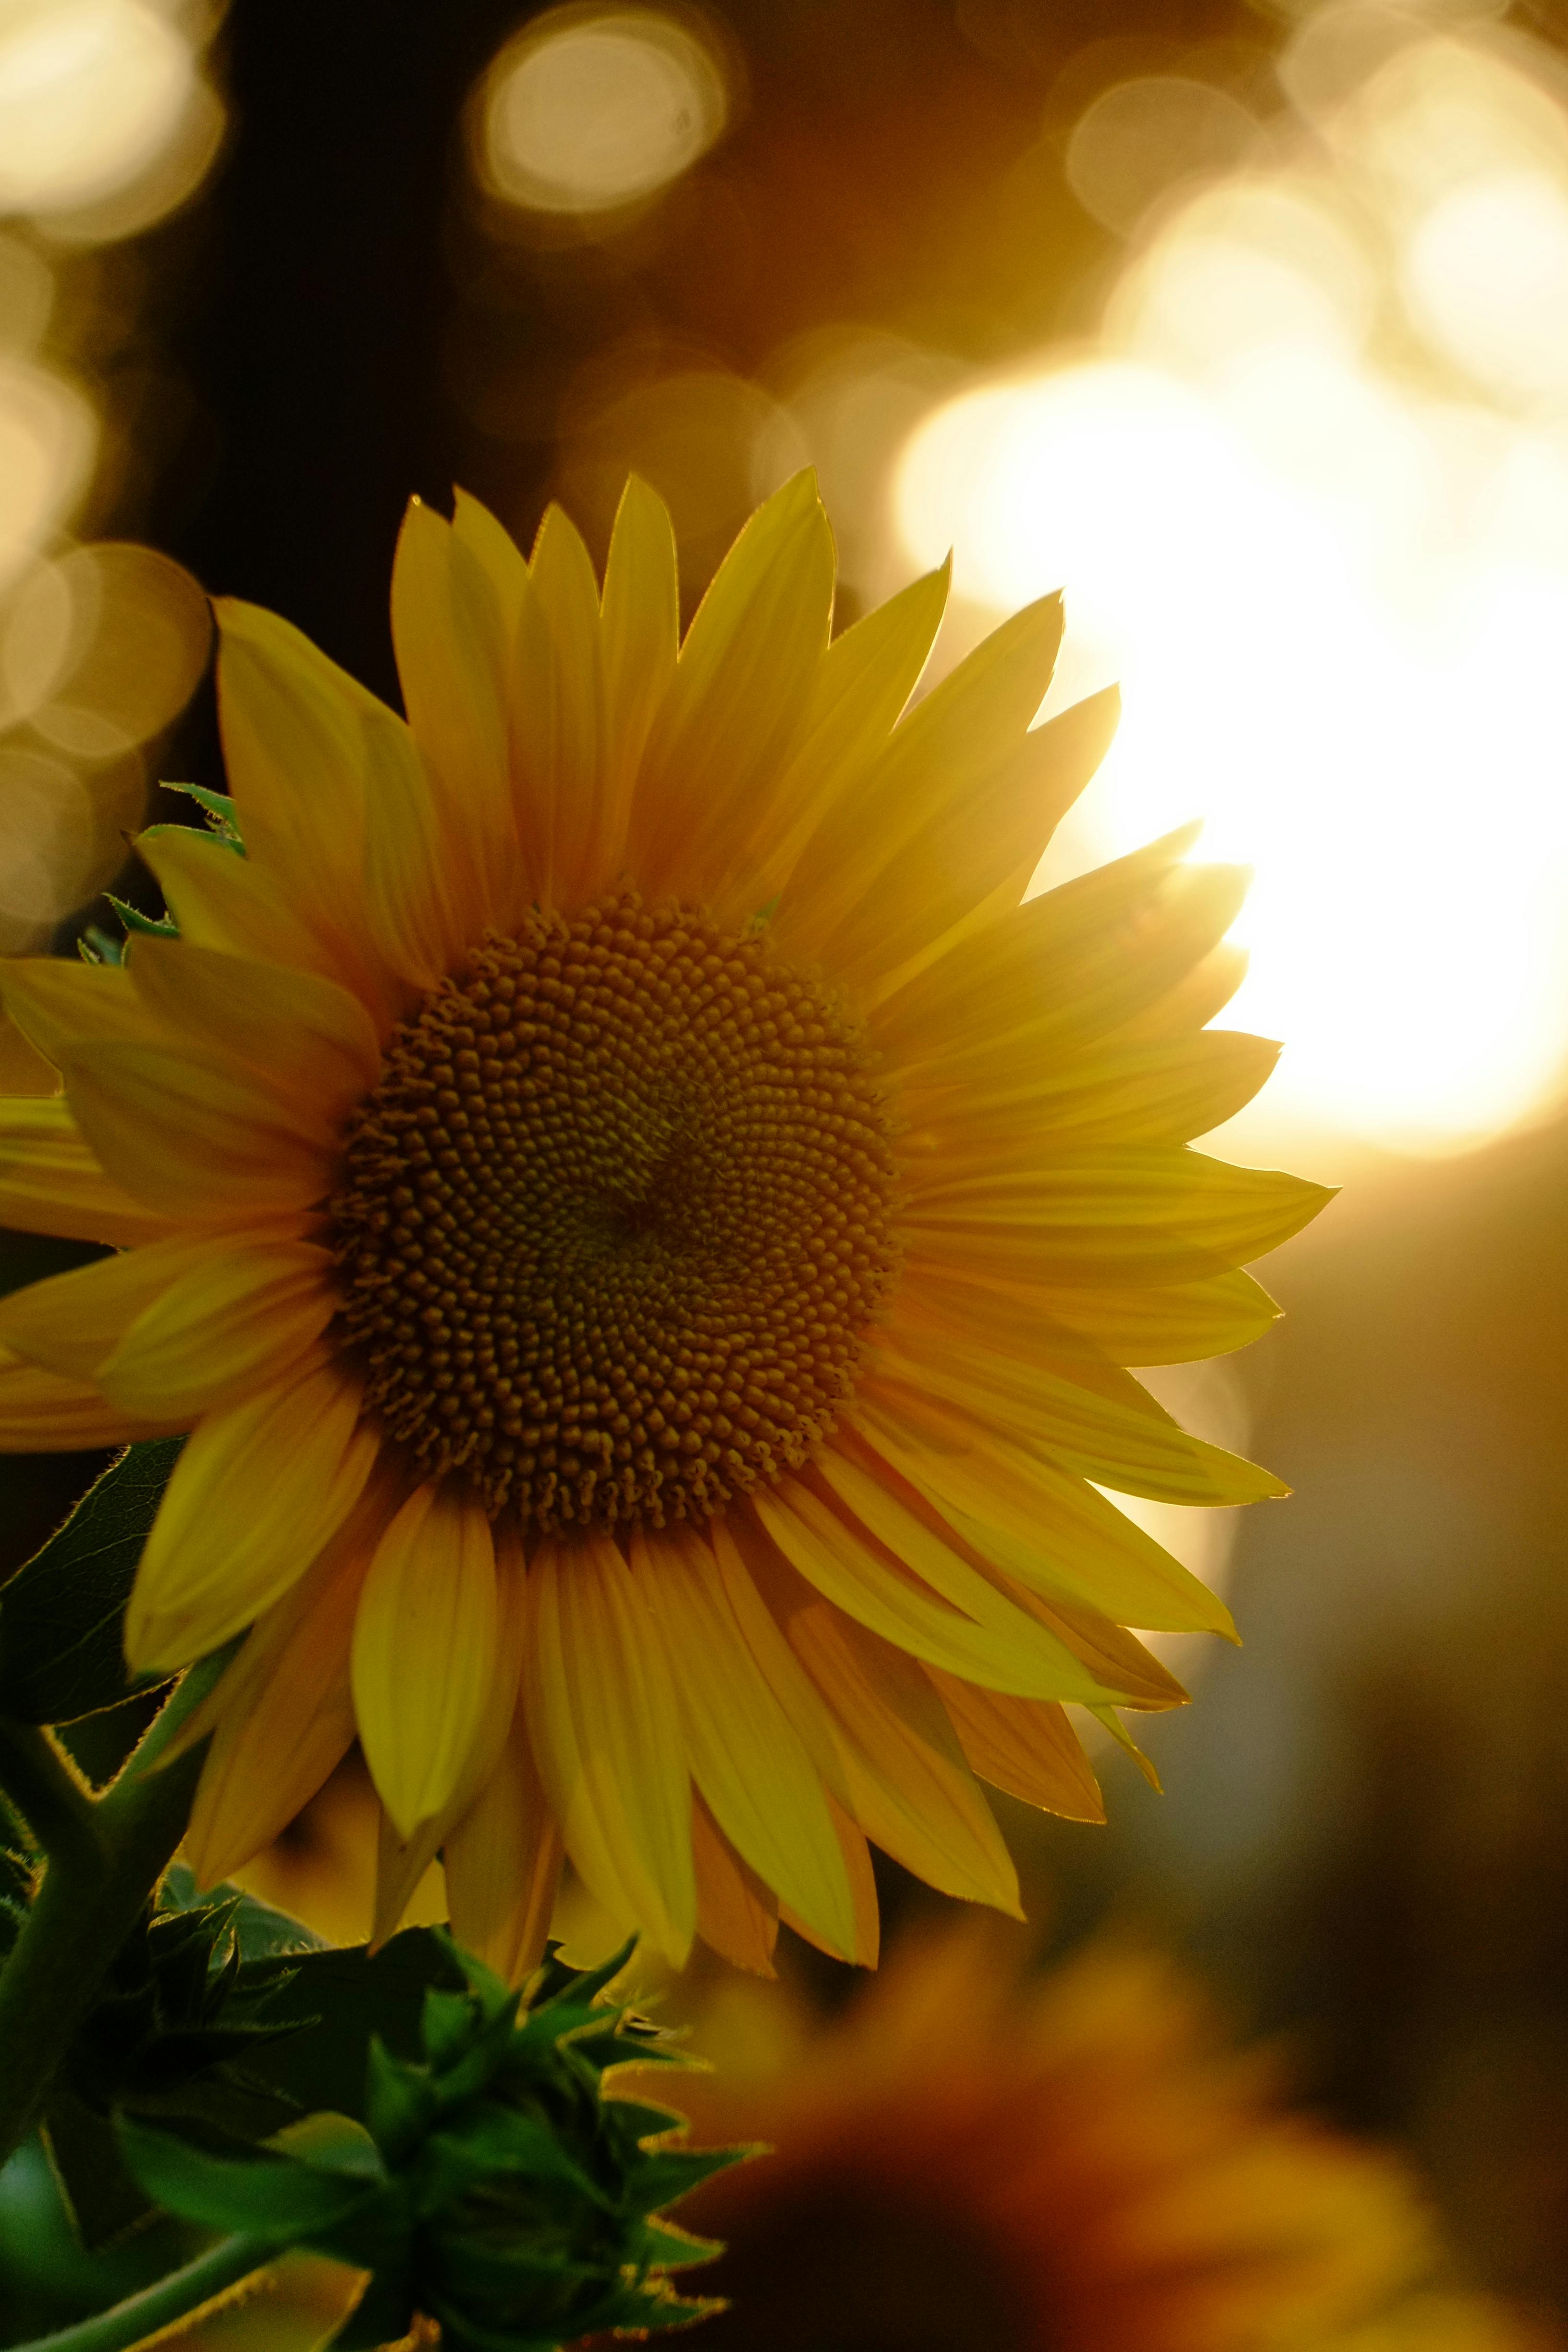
(1248, 324)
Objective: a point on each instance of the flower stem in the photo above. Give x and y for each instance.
(182, 2296)
(55, 1805)
(104, 1858)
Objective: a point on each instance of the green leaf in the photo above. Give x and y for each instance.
(331, 2143)
(266, 2194)
(61, 1615)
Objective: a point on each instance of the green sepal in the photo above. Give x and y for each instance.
(500, 2141)
(342, 2001)
(664, 2245)
(160, 926)
(61, 1615)
(216, 807)
(666, 2174)
(259, 1930)
(266, 2194)
(400, 2101)
(640, 2121)
(94, 945)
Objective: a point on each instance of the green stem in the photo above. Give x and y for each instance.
(55, 1805)
(181, 2296)
(89, 1903)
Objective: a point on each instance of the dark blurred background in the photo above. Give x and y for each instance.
(358, 254)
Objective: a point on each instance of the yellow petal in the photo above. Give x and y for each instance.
(293, 740)
(860, 689)
(640, 629)
(237, 1319)
(1143, 1216)
(51, 1183)
(282, 1717)
(496, 553)
(416, 909)
(870, 1494)
(503, 1865)
(947, 754)
(62, 1005)
(910, 1787)
(43, 1412)
(1071, 966)
(859, 1577)
(977, 844)
(220, 900)
(753, 1770)
(554, 697)
(424, 1651)
(72, 1321)
(314, 1041)
(1111, 1096)
(1044, 1527)
(601, 1709)
(196, 1141)
(1173, 1326)
(258, 1492)
(401, 1863)
(726, 730)
(449, 633)
(1024, 1746)
(1103, 1425)
(737, 1912)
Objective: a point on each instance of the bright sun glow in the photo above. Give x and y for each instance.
(1336, 599)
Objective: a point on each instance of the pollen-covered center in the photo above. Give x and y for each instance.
(614, 1219)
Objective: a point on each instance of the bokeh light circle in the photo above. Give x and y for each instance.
(591, 108)
(90, 90)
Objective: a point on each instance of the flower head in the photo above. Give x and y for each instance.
(645, 1227)
(963, 2161)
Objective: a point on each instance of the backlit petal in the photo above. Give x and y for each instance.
(424, 1651)
(237, 1319)
(51, 1183)
(450, 634)
(314, 1041)
(751, 1768)
(641, 632)
(196, 1141)
(503, 1864)
(601, 1709)
(1025, 1746)
(44, 1413)
(283, 1713)
(259, 1490)
(728, 726)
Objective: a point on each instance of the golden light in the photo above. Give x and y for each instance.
(90, 90)
(1335, 593)
(1141, 139)
(1486, 276)
(48, 440)
(590, 108)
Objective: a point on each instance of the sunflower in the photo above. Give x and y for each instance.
(964, 2163)
(644, 1227)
